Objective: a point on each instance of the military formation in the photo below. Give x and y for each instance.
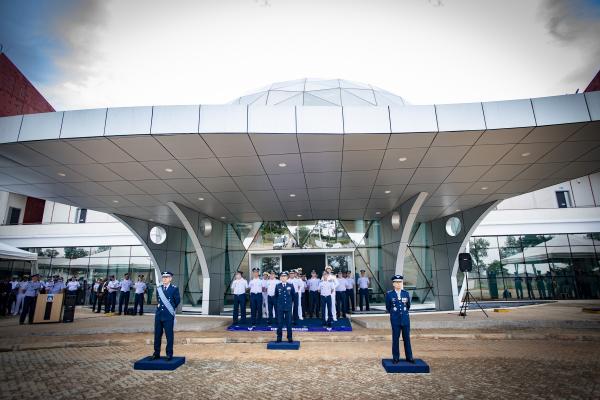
(328, 297)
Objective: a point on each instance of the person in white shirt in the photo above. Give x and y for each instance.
(256, 286)
(363, 290)
(140, 289)
(125, 286)
(111, 287)
(72, 287)
(331, 278)
(271, 284)
(313, 294)
(20, 296)
(297, 306)
(12, 296)
(265, 296)
(94, 294)
(326, 290)
(238, 289)
(340, 295)
(349, 291)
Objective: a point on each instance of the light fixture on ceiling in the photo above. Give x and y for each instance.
(484, 188)
(201, 198)
(377, 212)
(457, 210)
(168, 169)
(387, 192)
(526, 154)
(282, 164)
(298, 215)
(402, 159)
(61, 174)
(292, 195)
(115, 201)
(152, 219)
(222, 217)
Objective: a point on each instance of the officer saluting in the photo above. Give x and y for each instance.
(164, 317)
(284, 295)
(397, 303)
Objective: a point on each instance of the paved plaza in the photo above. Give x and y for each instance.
(546, 361)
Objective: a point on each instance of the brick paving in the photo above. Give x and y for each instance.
(461, 369)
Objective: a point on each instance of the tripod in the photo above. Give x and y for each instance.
(468, 299)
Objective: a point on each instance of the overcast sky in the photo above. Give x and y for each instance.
(85, 54)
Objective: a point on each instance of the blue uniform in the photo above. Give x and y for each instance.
(163, 320)
(398, 309)
(284, 295)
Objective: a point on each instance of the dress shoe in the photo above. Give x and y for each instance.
(169, 358)
(410, 360)
(395, 361)
(290, 340)
(278, 340)
(155, 357)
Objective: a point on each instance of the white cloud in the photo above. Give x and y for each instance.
(141, 52)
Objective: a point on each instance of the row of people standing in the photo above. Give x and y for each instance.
(311, 296)
(104, 292)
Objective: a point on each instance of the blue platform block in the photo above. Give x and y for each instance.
(162, 364)
(283, 345)
(404, 367)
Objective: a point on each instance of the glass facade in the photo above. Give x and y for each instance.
(349, 245)
(87, 264)
(549, 266)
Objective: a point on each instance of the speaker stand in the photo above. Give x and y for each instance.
(469, 298)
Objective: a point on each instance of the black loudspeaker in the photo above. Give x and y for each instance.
(465, 262)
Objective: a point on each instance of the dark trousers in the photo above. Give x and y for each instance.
(139, 300)
(519, 290)
(363, 294)
(396, 330)
(239, 306)
(271, 308)
(111, 302)
(123, 300)
(340, 303)
(313, 307)
(255, 308)
(100, 298)
(326, 303)
(160, 325)
(28, 308)
(93, 298)
(284, 316)
(350, 300)
(295, 308)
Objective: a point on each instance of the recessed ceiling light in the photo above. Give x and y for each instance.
(222, 217)
(298, 215)
(387, 192)
(61, 174)
(115, 201)
(151, 219)
(457, 210)
(484, 188)
(201, 198)
(292, 195)
(282, 164)
(402, 159)
(377, 212)
(168, 169)
(525, 154)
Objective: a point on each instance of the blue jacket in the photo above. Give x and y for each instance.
(284, 293)
(398, 308)
(172, 294)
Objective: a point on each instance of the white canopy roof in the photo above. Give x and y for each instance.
(12, 253)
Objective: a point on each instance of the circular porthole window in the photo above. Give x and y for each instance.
(453, 226)
(158, 235)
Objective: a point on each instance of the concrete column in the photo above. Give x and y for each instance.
(167, 256)
(395, 240)
(446, 249)
(210, 251)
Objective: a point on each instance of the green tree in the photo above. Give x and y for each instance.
(76, 252)
(478, 249)
(269, 263)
